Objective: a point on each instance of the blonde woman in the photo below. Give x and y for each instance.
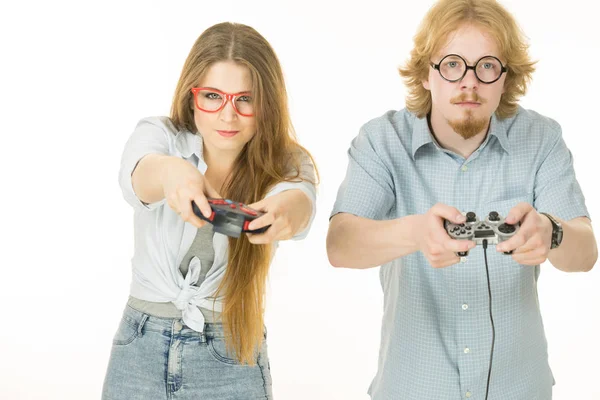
(193, 326)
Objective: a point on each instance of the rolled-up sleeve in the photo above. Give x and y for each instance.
(148, 137)
(306, 185)
(368, 189)
(556, 188)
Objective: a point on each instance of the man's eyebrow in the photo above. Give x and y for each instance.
(466, 59)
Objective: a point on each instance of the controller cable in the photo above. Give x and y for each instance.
(487, 273)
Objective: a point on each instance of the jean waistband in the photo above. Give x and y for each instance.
(169, 326)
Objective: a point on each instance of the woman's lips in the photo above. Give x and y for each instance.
(227, 133)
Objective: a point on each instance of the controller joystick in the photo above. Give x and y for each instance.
(493, 229)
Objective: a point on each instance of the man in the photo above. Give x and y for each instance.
(472, 329)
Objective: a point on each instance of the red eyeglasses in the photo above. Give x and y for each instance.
(213, 100)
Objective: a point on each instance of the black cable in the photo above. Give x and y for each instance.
(487, 273)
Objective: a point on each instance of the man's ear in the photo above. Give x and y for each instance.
(425, 83)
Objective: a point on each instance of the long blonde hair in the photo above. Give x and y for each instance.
(445, 17)
(266, 160)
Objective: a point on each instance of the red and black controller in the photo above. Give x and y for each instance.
(230, 217)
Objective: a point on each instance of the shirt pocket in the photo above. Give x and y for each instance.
(503, 206)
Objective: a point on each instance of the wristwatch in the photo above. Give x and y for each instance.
(557, 231)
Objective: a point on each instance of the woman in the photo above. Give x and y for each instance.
(193, 325)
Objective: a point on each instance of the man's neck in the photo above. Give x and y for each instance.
(450, 140)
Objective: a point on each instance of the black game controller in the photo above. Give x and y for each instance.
(229, 217)
(493, 229)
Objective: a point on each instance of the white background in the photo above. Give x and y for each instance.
(76, 77)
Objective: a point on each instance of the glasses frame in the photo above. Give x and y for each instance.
(228, 97)
(468, 67)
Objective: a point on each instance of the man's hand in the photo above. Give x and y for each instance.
(287, 212)
(531, 244)
(433, 240)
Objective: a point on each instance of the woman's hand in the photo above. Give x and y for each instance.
(287, 212)
(182, 183)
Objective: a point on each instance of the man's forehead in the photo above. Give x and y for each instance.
(469, 42)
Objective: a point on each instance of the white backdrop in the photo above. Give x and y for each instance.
(76, 77)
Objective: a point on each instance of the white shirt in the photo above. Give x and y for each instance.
(162, 238)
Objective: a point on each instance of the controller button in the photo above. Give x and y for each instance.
(494, 216)
(471, 216)
(506, 228)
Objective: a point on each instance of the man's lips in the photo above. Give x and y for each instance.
(470, 104)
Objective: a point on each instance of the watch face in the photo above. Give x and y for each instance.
(557, 232)
(559, 237)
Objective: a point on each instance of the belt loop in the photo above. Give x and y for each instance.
(141, 325)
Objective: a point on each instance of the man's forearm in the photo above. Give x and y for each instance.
(356, 242)
(578, 251)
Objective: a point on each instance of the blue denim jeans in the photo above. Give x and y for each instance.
(156, 358)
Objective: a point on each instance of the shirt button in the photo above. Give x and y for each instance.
(468, 394)
(467, 350)
(465, 307)
(464, 168)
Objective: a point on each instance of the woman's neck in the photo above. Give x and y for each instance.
(219, 167)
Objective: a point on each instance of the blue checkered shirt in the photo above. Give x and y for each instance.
(436, 334)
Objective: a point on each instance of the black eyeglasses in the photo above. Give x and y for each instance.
(453, 68)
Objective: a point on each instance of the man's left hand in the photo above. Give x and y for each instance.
(531, 244)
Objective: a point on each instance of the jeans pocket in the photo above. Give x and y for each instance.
(218, 349)
(129, 329)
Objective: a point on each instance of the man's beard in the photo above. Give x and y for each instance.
(469, 126)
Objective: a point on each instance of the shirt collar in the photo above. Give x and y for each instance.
(498, 129)
(188, 143)
(421, 135)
